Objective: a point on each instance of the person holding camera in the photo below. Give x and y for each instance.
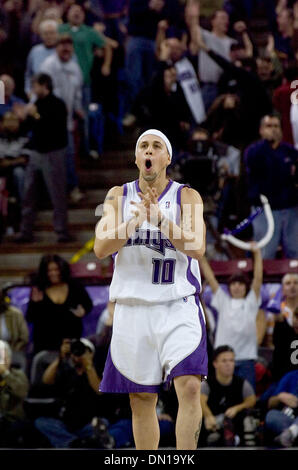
(76, 384)
(281, 422)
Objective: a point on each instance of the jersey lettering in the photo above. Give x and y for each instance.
(151, 239)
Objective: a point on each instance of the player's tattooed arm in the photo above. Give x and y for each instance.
(197, 433)
(111, 232)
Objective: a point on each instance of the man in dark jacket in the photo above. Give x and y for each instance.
(47, 120)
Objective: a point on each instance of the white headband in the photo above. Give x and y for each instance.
(159, 134)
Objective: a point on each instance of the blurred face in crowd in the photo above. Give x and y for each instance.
(284, 20)
(290, 286)
(170, 77)
(237, 54)
(271, 129)
(176, 49)
(11, 123)
(220, 22)
(49, 35)
(9, 85)
(237, 290)
(264, 69)
(65, 51)
(76, 15)
(230, 101)
(54, 273)
(224, 364)
(39, 90)
(151, 157)
(199, 135)
(53, 13)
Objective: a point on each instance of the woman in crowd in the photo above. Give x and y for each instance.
(57, 305)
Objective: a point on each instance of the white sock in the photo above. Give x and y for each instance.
(294, 430)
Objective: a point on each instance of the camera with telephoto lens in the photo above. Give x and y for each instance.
(78, 347)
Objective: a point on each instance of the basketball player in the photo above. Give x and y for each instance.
(155, 229)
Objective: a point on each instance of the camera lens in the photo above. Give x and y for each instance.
(77, 348)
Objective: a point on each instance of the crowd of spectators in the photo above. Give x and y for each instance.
(223, 91)
(50, 369)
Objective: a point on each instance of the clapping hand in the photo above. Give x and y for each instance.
(148, 208)
(36, 295)
(79, 311)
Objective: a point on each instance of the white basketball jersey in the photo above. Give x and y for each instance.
(148, 268)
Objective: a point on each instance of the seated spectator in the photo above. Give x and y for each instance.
(282, 305)
(13, 330)
(225, 398)
(289, 300)
(57, 305)
(14, 387)
(13, 155)
(9, 97)
(76, 383)
(271, 169)
(237, 313)
(285, 338)
(281, 421)
(48, 30)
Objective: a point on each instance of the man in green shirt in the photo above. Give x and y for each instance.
(87, 42)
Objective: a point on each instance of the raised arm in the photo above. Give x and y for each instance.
(258, 270)
(208, 274)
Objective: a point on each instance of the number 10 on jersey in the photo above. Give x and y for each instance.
(163, 271)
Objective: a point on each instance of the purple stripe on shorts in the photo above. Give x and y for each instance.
(114, 382)
(191, 278)
(178, 215)
(197, 362)
(162, 194)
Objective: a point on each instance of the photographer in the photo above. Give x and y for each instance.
(208, 162)
(281, 421)
(76, 383)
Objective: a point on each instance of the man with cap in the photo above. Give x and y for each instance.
(155, 229)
